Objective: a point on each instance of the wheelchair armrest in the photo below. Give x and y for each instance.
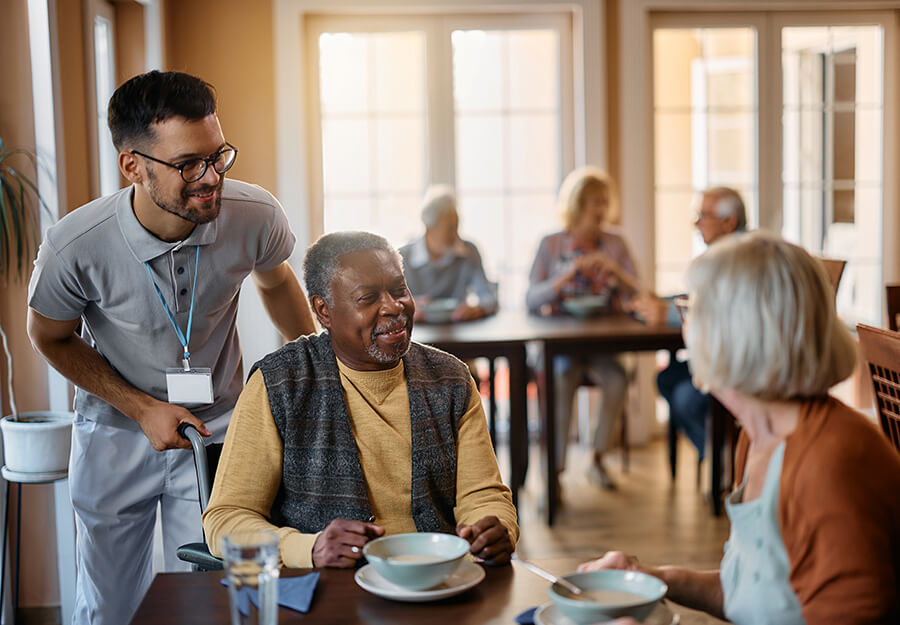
(198, 554)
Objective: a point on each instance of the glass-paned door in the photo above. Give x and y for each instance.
(833, 107)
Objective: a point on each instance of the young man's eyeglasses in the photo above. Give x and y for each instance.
(194, 169)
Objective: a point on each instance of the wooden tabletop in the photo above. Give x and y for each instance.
(608, 332)
(182, 598)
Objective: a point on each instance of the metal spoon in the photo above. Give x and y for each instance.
(569, 586)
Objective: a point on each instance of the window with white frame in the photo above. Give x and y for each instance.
(481, 102)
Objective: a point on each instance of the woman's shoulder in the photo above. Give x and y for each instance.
(838, 447)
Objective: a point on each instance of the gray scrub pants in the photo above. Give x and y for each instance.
(116, 480)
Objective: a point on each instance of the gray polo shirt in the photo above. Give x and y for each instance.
(91, 265)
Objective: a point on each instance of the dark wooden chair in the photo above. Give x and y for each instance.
(835, 269)
(892, 297)
(881, 349)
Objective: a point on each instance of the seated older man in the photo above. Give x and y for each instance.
(355, 432)
(441, 265)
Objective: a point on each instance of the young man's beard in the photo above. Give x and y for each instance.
(180, 206)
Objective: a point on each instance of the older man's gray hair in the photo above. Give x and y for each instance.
(729, 204)
(439, 199)
(323, 258)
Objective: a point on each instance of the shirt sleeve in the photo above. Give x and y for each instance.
(54, 292)
(480, 285)
(841, 537)
(248, 478)
(540, 283)
(279, 244)
(479, 490)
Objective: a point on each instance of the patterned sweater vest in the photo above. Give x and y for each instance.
(322, 477)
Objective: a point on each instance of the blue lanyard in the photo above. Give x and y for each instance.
(181, 337)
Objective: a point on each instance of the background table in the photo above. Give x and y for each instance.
(507, 333)
(189, 598)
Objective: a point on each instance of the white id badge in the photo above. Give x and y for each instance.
(190, 387)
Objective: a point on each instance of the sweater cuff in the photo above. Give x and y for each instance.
(296, 549)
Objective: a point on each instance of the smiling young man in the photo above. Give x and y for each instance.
(152, 274)
(356, 432)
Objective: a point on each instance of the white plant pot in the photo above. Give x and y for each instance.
(37, 442)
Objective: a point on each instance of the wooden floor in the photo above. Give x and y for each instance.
(649, 515)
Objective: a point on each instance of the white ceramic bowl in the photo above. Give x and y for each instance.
(645, 593)
(38, 442)
(416, 561)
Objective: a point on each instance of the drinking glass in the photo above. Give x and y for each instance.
(251, 566)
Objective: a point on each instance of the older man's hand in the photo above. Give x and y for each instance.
(340, 543)
(612, 560)
(652, 309)
(488, 539)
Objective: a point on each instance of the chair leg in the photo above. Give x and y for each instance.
(673, 448)
(624, 442)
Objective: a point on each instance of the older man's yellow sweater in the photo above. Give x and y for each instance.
(249, 473)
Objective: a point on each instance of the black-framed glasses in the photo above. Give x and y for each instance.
(683, 305)
(194, 169)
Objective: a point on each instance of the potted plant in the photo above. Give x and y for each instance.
(33, 442)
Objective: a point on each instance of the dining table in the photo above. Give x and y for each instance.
(504, 593)
(506, 335)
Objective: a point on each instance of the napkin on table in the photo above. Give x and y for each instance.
(527, 617)
(295, 593)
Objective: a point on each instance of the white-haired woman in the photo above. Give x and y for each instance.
(588, 257)
(815, 520)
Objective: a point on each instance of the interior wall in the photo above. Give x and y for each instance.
(131, 56)
(36, 587)
(238, 62)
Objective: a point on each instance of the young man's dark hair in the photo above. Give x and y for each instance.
(154, 97)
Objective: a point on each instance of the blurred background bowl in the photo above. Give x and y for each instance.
(586, 305)
(646, 591)
(416, 561)
(439, 310)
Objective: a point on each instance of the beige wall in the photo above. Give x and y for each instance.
(237, 60)
(37, 588)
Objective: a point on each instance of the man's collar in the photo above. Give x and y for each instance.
(144, 245)
(419, 256)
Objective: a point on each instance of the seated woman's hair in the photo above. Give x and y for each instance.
(762, 320)
(579, 183)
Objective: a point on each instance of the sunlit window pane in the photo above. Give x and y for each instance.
(832, 154)
(374, 152)
(104, 62)
(508, 146)
(705, 125)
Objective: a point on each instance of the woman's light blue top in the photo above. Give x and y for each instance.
(755, 569)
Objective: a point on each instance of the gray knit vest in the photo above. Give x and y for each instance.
(322, 477)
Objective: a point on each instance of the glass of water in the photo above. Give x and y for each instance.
(251, 566)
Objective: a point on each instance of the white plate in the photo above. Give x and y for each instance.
(466, 576)
(548, 615)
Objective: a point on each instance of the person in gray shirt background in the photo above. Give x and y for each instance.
(439, 265)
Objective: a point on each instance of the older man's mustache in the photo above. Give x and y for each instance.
(400, 322)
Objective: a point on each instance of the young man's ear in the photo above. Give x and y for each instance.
(130, 168)
(322, 311)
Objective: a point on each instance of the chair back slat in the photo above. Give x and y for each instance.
(881, 349)
(892, 297)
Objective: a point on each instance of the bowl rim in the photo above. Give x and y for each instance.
(461, 542)
(555, 596)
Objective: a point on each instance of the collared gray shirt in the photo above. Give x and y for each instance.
(457, 273)
(91, 266)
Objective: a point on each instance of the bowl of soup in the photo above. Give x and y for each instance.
(608, 594)
(587, 305)
(439, 310)
(416, 561)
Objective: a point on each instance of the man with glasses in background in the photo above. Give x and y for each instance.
(151, 274)
(721, 213)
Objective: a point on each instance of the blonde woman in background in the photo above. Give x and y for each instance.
(588, 257)
(815, 520)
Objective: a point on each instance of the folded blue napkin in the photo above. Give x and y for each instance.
(295, 593)
(527, 617)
